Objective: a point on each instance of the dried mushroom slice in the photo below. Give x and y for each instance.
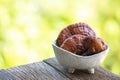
(64, 34)
(78, 28)
(81, 28)
(93, 45)
(74, 44)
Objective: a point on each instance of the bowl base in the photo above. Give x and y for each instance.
(72, 70)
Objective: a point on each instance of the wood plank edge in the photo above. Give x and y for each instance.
(102, 68)
(55, 67)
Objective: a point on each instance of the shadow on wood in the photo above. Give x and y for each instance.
(100, 73)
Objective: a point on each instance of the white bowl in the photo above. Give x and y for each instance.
(72, 61)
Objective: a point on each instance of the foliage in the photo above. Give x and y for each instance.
(28, 27)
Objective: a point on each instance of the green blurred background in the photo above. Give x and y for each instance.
(28, 28)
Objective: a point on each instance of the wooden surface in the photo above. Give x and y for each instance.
(50, 69)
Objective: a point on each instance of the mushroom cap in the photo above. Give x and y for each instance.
(74, 44)
(78, 28)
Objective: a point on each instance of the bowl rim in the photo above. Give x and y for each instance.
(102, 52)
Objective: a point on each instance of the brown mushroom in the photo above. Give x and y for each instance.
(78, 28)
(93, 45)
(74, 44)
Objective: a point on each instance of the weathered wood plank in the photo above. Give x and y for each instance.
(100, 73)
(4, 75)
(50, 69)
(36, 71)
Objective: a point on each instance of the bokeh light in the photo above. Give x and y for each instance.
(28, 28)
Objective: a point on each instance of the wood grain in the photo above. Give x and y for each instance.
(50, 69)
(36, 71)
(4, 75)
(100, 73)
